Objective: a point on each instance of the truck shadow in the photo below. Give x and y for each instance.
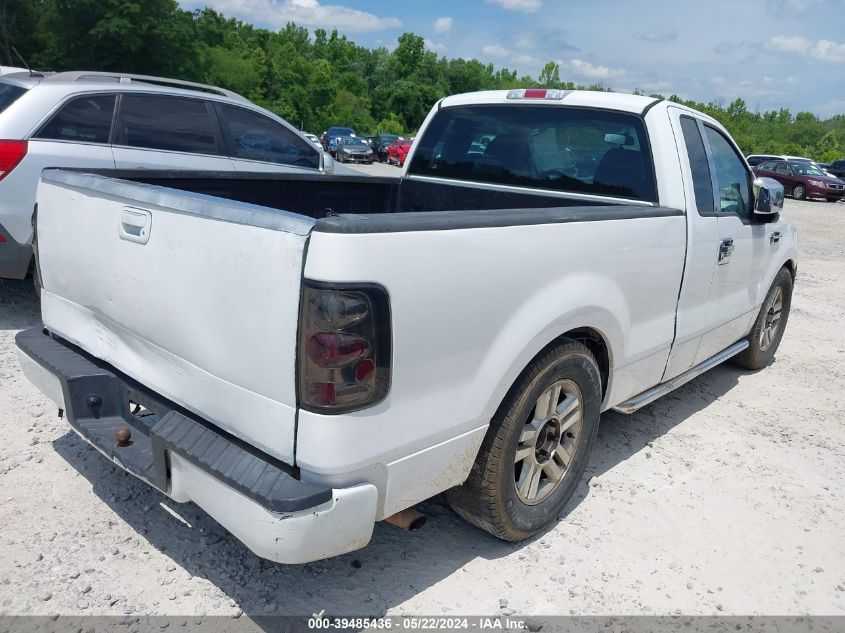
(396, 566)
(19, 307)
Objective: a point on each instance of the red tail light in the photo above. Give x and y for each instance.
(11, 153)
(344, 348)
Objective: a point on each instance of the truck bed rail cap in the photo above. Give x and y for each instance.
(185, 201)
(359, 223)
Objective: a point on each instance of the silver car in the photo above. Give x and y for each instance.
(107, 120)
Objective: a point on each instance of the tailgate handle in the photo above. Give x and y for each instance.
(135, 225)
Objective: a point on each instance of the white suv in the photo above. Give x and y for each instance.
(104, 120)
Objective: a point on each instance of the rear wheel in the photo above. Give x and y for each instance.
(768, 329)
(537, 446)
(799, 192)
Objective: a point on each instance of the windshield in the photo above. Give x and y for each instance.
(341, 131)
(558, 148)
(356, 142)
(806, 169)
(9, 94)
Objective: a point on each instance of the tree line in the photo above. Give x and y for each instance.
(323, 79)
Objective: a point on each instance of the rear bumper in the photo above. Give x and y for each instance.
(258, 499)
(14, 257)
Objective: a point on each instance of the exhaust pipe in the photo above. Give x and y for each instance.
(408, 519)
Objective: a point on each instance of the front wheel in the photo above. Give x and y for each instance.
(537, 446)
(768, 329)
(799, 192)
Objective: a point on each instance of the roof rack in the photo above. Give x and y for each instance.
(127, 78)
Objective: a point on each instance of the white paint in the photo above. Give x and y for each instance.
(205, 313)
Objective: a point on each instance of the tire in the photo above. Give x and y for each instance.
(497, 496)
(769, 326)
(799, 192)
(832, 199)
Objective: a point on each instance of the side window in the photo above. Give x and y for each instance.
(731, 175)
(167, 123)
(699, 167)
(84, 119)
(252, 136)
(782, 168)
(767, 166)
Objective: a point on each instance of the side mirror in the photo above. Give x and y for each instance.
(327, 164)
(768, 197)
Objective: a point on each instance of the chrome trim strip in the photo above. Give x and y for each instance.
(530, 190)
(186, 202)
(650, 395)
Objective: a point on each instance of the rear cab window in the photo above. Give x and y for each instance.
(565, 149)
(9, 93)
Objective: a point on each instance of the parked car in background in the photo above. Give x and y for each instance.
(755, 159)
(398, 150)
(315, 141)
(8, 70)
(75, 119)
(354, 150)
(837, 168)
(330, 136)
(371, 140)
(801, 179)
(381, 145)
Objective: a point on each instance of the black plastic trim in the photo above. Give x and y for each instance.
(478, 219)
(163, 427)
(651, 105)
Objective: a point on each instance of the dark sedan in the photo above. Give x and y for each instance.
(354, 150)
(802, 179)
(837, 168)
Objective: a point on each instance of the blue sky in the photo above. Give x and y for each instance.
(772, 53)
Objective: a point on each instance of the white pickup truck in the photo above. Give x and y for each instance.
(303, 356)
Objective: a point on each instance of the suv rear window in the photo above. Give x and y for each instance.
(9, 94)
(166, 123)
(547, 147)
(85, 120)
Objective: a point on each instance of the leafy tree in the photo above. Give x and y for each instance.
(323, 79)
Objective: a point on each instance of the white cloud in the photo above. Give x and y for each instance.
(828, 51)
(441, 25)
(592, 71)
(789, 44)
(277, 13)
(434, 46)
(524, 6)
(823, 50)
(495, 50)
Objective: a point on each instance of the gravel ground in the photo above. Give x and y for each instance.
(725, 497)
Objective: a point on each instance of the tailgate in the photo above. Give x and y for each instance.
(193, 296)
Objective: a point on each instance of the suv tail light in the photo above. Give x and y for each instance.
(344, 347)
(11, 153)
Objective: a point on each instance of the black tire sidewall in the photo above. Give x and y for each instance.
(582, 370)
(754, 357)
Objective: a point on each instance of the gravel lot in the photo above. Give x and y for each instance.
(725, 497)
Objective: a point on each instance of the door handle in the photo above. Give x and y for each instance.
(774, 238)
(726, 249)
(135, 225)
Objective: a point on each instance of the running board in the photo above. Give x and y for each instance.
(646, 397)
